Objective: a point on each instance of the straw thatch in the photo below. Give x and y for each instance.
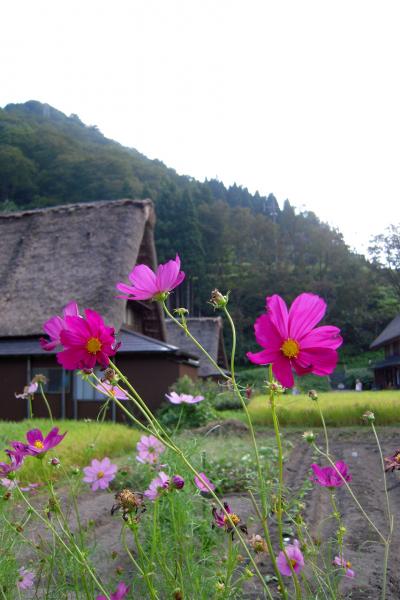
(390, 333)
(208, 331)
(51, 256)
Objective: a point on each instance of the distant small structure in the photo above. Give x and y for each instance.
(51, 256)
(387, 371)
(358, 386)
(208, 331)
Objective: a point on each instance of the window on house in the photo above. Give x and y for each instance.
(57, 379)
(83, 390)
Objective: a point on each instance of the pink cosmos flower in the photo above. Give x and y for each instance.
(158, 484)
(291, 339)
(29, 390)
(203, 483)
(119, 594)
(106, 388)
(37, 444)
(175, 398)
(99, 473)
(147, 285)
(10, 484)
(55, 325)
(25, 580)
(331, 477)
(16, 460)
(149, 449)
(341, 562)
(86, 341)
(294, 555)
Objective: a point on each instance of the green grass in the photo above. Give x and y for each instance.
(83, 442)
(339, 409)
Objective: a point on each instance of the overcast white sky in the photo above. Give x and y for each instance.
(298, 98)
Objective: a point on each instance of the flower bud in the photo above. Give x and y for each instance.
(54, 462)
(258, 544)
(313, 395)
(218, 300)
(309, 437)
(110, 376)
(177, 482)
(181, 312)
(369, 416)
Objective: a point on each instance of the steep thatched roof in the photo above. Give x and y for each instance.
(391, 332)
(51, 256)
(208, 331)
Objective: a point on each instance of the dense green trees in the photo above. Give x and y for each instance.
(226, 237)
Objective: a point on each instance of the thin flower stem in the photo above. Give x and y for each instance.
(195, 342)
(147, 578)
(321, 414)
(46, 403)
(321, 453)
(337, 516)
(264, 516)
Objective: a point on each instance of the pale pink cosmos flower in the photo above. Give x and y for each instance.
(11, 484)
(175, 398)
(119, 594)
(203, 483)
(158, 484)
(55, 325)
(341, 562)
(99, 473)
(25, 580)
(106, 388)
(294, 555)
(292, 341)
(149, 449)
(147, 285)
(16, 459)
(29, 390)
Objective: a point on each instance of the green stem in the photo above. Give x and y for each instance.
(46, 403)
(141, 553)
(321, 414)
(195, 342)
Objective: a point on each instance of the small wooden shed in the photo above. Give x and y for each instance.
(387, 371)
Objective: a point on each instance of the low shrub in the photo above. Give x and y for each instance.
(366, 377)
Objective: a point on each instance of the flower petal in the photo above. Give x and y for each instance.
(326, 336)
(305, 312)
(278, 313)
(266, 333)
(265, 357)
(320, 361)
(282, 369)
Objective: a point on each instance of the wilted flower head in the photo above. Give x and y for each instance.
(291, 342)
(218, 300)
(203, 483)
(369, 416)
(175, 398)
(149, 449)
(294, 556)
(158, 484)
(313, 394)
(229, 521)
(341, 562)
(25, 580)
(329, 476)
(258, 544)
(120, 593)
(393, 462)
(129, 502)
(147, 285)
(309, 436)
(100, 473)
(55, 325)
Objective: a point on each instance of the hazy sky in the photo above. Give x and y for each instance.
(299, 98)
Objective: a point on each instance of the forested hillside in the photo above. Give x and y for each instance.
(227, 237)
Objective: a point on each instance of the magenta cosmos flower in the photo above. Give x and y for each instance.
(119, 594)
(203, 483)
(294, 555)
(99, 473)
(175, 398)
(292, 341)
(158, 484)
(111, 390)
(86, 341)
(25, 579)
(341, 562)
(149, 449)
(329, 476)
(55, 325)
(147, 285)
(16, 460)
(37, 443)
(227, 522)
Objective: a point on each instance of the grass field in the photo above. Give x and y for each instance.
(339, 409)
(83, 442)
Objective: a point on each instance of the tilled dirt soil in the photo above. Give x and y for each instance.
(363, 549)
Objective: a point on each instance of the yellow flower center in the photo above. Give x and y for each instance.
(290, 348)
(293, 562)
(38, 444)
(397, 458)
(232, 519)
(93, 345)
(348, 564)
(100, 474)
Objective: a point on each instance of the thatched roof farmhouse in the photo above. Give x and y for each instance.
(78, 252)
